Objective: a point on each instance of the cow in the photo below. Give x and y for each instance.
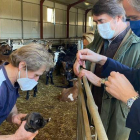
(5, 51)
(69, 94)
(34, 93)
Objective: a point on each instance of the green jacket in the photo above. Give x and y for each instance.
(114, 112)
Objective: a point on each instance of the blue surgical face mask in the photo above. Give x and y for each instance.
(135, 26)
(26, 83)
(105, 30)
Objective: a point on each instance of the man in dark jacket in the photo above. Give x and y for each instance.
(121, 45)
(117, 85)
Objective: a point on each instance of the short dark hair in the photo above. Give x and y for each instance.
(111, 7)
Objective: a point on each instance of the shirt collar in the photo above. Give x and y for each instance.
(7, 79)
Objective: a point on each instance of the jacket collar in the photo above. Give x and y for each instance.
(132, 39)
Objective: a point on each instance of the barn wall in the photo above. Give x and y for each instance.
(81, 20)
(12, 25)
(31, 19)
(10, 19)
(89, 28)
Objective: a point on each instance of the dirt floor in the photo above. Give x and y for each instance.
(63, 114)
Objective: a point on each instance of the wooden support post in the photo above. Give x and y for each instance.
(86, 12)
(41, 18)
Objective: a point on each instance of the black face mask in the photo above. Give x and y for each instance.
(135, 27)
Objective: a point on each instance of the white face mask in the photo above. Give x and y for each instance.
(105, 31)
(26, 83)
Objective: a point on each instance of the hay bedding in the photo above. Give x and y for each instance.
(63, 114)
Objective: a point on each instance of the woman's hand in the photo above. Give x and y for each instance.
(22, 134)
(16, 118)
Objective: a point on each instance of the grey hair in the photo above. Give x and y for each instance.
(111, 7)
(135, 4)
(34, 55)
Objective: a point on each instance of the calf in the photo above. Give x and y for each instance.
(68, 72)
(55, 58)
(34, 95)
(49, 46)
(5, 51)
(49, 74)
(69, 94)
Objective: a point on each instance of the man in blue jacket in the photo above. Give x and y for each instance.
(117, 85)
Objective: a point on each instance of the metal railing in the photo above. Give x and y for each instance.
(83, 126)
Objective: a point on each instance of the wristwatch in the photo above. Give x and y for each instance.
(131, 101)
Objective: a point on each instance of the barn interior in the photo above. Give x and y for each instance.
(59, 25)
(62, 23)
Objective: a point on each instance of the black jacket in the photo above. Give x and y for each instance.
(133, 75)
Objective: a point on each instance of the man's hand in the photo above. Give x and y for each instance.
(16, 118)
(89, 55)
(91, 77)
(22, 134)
(76, 67)
(119, 87)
